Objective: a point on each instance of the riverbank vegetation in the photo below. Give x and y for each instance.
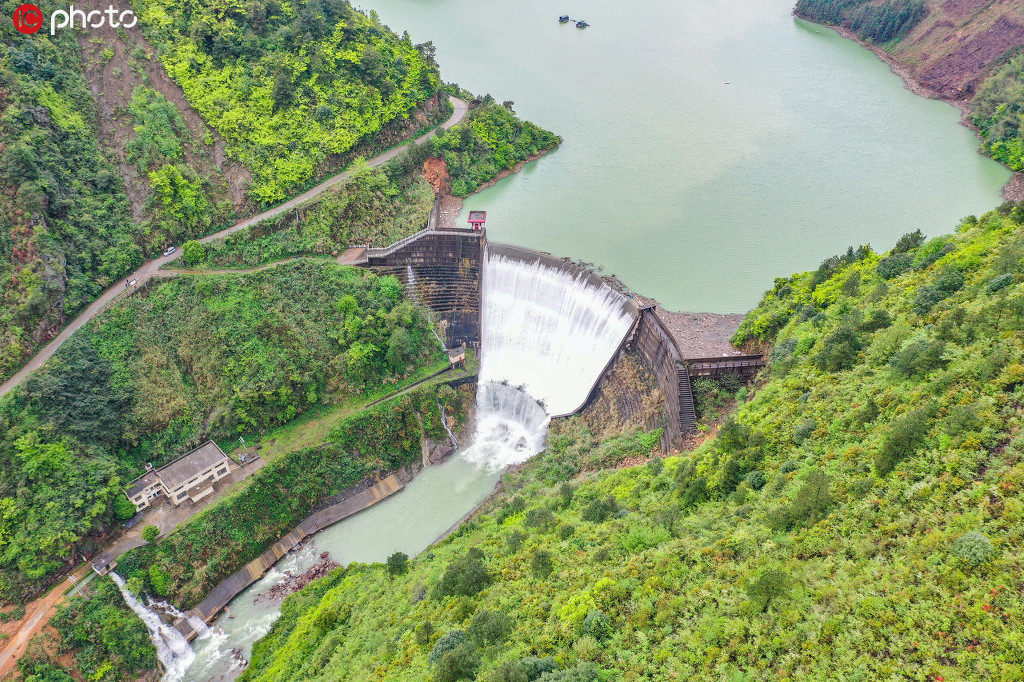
(857, 514)
(189, 563)
(184, 360)
(878, 23)
(997, 111)
(490, 141)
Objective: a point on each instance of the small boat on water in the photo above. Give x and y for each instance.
(581, 24)
(564, 19)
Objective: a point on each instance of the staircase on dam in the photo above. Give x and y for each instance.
(687, 411)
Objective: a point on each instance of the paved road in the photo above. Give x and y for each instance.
(152, 267)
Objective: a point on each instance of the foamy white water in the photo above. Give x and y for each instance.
(172, 648)
(546, 336)
(547, 330)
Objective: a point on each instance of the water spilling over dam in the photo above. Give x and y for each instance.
(172, 649)
(548, 329)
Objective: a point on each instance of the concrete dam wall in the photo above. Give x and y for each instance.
(441, 270)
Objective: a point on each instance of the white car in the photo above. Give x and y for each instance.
(169, 250)
(133, 282)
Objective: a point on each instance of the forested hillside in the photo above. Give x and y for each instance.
(857, 517)
(121, 142)
(65, 231)
(184, 360)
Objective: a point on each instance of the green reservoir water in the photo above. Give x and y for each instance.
(709, 146)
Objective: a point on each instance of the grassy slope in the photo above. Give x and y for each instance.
(187, 359)
(819, 534)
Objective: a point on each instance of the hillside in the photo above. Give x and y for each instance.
(857, 517)
(118, 143)
(187, 359)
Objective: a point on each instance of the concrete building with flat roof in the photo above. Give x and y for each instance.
(191, 477)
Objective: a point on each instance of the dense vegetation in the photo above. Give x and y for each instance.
(879, 23)
(859, 514)
(107, 639)
(65, 232)
(288, 86)
(492, 139)
(189, 563)
(185, 360)
(377, 206)
(997, 113)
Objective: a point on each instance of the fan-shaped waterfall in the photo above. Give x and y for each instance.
(546, 335)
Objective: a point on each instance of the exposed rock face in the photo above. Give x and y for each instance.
(293, 583)
(440, 452)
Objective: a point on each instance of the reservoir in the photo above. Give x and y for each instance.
(709, 148)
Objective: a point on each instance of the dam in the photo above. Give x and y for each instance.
(449, 271)
(548, 332)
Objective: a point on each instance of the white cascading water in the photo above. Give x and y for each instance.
(546, 335)
(172, 649)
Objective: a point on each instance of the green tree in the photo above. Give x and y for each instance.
(541, 564)
(398, 563)
(464, 576)
(769, 586)
(193, 252)
(150, 533)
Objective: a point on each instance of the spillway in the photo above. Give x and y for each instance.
(548, 330)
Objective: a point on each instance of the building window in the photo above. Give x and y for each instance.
(222, 472)
(181, 496)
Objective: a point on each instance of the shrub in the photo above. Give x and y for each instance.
(973, 548)
(489, 627)
(398, 563)
(446, 643)
(771, 585)
(193, 253)
(788, 467)
(894, 265)
(464, 577)
(541, 565)
(597, 625)
(903, 437)
(866, 413)
(150, 533)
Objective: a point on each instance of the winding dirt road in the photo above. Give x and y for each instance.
(150, 268)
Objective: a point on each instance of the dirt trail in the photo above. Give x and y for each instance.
(37, 615)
